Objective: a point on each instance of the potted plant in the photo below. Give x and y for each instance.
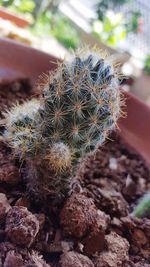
(78, 216)
(141, 86)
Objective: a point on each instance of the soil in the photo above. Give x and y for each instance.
(93, 227)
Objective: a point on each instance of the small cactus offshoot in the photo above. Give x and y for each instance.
(20, 129)
(59, 157)
(79, 106)
(143, 207)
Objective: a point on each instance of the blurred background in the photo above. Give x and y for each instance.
(120, 27)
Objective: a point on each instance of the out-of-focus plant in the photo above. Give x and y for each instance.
(143, 206)
(147, 65)
(42, 7)
(24, 7)
(21, 6)
(64, 31)
(6, 3)
(104, 5)
(112, 29)
(47, 20)
(135, 23)
(51, 21)
(58, 26)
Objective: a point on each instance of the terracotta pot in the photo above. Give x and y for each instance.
(20, 60)
(141, 87)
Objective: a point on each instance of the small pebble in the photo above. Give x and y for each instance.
(113, 164)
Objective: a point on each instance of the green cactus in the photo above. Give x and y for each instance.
(143, 207)
(81, 103)
(20, 131)
(79, 106)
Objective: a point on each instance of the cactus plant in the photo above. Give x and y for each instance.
(143, 206)
(79, 106)
(20, 130)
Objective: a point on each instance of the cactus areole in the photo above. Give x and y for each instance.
(80, 104)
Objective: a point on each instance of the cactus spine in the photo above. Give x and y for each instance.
(79, 106)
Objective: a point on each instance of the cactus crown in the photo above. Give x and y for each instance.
(81, 103)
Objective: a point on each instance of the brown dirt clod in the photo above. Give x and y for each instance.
(74, 259)
(23, 201)
(116, 254)
(94, 242)
(4, 206)
(80, 216)
(35, 260)
(13, 259)
(9, 174)
(77, 215)
(21, 226)
(138, 232)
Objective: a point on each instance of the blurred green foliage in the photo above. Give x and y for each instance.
(135, 23)
(64, 31)
(58, 26)
(112, 27)
(103, 6)
(147, 64)
(22, 6)
(47, 20)
(111, 30)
